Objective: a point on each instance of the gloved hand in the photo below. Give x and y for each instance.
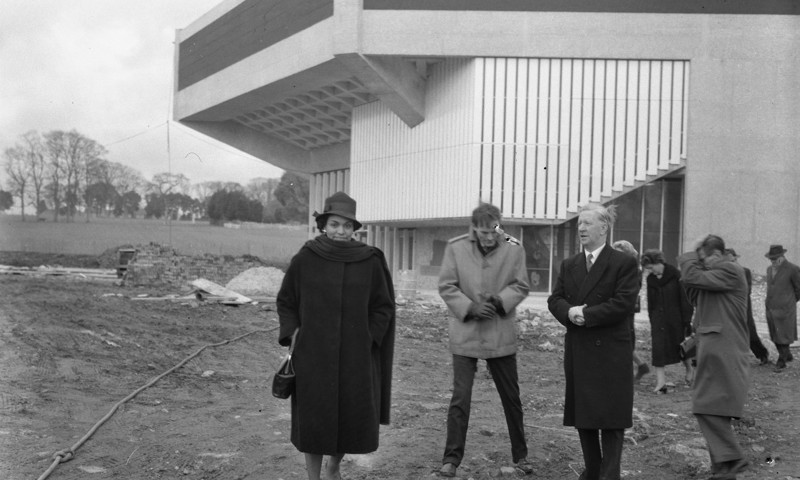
(481, 311)
(498, 305)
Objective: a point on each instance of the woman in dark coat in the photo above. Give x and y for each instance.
(670, 316)
(337, 294)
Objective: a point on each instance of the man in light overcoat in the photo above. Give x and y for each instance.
(482, 280)
(718, 287)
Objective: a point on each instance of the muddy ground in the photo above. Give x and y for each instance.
(72, 349)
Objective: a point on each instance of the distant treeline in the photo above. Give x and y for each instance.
(62, 175)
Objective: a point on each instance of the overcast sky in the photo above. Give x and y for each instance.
(105, 69)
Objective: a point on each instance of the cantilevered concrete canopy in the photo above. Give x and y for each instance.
(286, 79)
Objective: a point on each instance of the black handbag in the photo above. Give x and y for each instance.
(689, 347)
(283, 380)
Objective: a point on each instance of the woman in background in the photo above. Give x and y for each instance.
(642, 369)
(670, 316)
(337, 295)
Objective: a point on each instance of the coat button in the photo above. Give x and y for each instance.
(597, 343)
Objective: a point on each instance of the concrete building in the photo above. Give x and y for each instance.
(683, 113)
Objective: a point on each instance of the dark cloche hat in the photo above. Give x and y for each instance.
(775, 251)
(339, 204)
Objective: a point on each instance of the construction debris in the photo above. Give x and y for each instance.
(229, 296)
(208, 291)
(44, 270)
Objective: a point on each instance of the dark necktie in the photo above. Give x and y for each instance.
(589, 262)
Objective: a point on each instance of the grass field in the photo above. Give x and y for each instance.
(274, 243)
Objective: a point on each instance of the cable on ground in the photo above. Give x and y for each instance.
(63, 456)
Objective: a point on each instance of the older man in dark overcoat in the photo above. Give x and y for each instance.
(783, 293)
(595, 292)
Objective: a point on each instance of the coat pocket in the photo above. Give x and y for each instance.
(709, 329)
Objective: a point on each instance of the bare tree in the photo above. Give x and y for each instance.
(203, 192)
(262, 190)
(124, 178)
(72, 172)
(164, 184)
(91, 166)
(56, 148)
(100, 198)
(38, 167)
(72, 162)
(18, 175)
(85, 161)
(129, 184)
(26, 169)
(121, 177)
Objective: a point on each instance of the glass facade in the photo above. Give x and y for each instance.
(648, 217)
(537, 243)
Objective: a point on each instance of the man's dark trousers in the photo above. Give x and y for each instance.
(756, 346)
(504, 374)
(601, 464)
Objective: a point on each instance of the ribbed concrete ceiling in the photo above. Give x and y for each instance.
(312, 119)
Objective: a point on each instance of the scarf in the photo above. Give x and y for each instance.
(336, 251)
(670, 274)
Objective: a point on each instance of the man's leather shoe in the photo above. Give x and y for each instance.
(729, 470)
(737, 466)
(524, 466)
(447, 470)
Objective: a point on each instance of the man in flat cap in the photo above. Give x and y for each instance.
(783, 293)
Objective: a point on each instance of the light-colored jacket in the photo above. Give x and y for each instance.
(722, 377)
(467, 276)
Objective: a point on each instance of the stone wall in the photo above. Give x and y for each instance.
(156, 264)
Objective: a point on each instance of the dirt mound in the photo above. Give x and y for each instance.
(258, 281)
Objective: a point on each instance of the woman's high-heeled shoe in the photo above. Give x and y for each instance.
(660, 391)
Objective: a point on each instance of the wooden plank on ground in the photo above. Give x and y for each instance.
(37, 271)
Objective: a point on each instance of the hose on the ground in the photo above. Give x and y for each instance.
(66, 455)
